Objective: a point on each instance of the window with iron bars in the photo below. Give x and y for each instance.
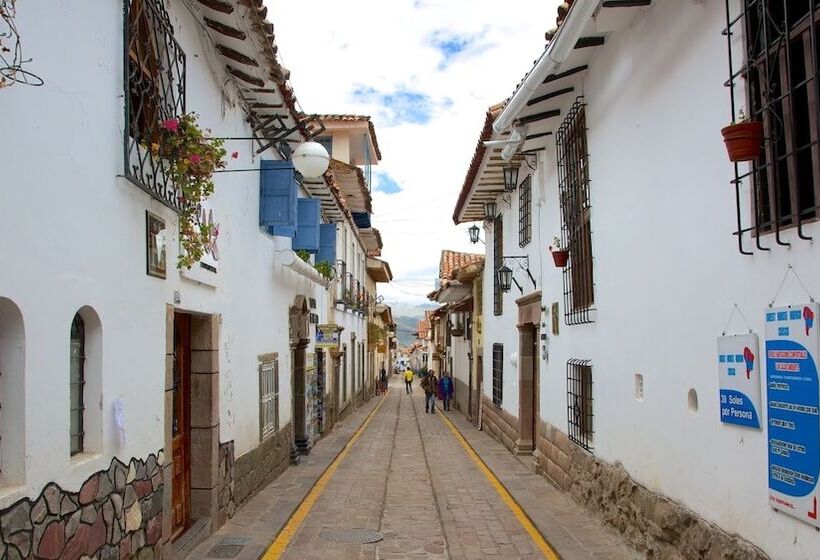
(498, 262)
(579, 403)
(268, 398)
(780, 69)
(576, 233)
(525, 212)
(76, 385)
(154, 91)
(498, 373)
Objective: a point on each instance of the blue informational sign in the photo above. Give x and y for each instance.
(739, 370)
(793, 398)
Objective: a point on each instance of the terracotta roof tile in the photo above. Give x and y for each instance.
(452, 260)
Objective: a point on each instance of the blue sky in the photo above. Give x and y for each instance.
(425, 71)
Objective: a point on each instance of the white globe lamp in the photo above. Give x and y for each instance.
(310, 159)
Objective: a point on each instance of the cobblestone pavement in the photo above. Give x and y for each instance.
(409, 478)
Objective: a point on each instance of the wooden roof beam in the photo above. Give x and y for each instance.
(550, 95)
(226, 30)
(586, 42)
(218, 6)
(625, 3)
(570, 72)
(539, 116)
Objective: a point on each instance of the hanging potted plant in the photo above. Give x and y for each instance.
(559, 254)
(190, 159)
(743, 139)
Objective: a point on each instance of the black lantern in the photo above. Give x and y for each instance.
(510, 177)
(489, 210)
(473, 233)
(503, 277)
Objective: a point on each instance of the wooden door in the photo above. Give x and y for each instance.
(181, 426)
(479, 383)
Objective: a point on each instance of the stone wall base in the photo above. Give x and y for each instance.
(259, 467)
(461, 395)
(227, 485)
(650, 522)
(500, 424)
(117, 513)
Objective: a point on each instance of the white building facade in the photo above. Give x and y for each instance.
(181, 391)
(621, 119)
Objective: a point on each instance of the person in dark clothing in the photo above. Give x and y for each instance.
(430, 386)
(446, 389)
(383, 379)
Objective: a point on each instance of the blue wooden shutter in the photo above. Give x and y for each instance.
(307, 225)
(277, 195)
(327, 244)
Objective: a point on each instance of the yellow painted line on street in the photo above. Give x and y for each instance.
(516, 509)
(286, 534)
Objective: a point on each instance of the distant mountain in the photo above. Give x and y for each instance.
(402, 309)
(405, 327)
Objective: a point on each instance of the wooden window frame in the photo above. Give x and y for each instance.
(576, 212)
(498, 262)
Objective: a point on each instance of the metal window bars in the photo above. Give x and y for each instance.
(498, 373)
(154, 85)
(525, 212)
(778, 62)
(576, 232)
(268, 398)
(579, 403)
(77, 386)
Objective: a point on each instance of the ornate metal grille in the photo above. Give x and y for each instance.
(76, 385)
(498, 262)
(579, 402)
(576, 233)
(780, 68)
(154, 91)
(268, 398)
(498, 373)
(525, 212)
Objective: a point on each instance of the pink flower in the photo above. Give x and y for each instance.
(171, 125)
(235, 155)
(195, 158)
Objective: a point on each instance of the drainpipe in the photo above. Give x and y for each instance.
(551, 59)
(288, 258)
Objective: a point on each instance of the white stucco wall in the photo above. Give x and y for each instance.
(667, 273)
(73, 235)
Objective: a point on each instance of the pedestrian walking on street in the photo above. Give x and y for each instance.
(446, 388)
(408, 380)
(430, 386)
(383, 379)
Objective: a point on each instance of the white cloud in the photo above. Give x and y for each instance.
(427, 103)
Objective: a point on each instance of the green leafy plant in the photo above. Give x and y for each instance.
(191, 158)
(324, 268)
(304, 255)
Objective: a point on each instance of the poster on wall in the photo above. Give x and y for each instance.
(793, 396)
(327, 336)
(739, 369)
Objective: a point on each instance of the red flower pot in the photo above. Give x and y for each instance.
(560, 258)
(743, 140)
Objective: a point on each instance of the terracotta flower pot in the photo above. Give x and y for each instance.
(743, 140)
(560, 257)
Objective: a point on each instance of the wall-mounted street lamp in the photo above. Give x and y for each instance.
(504, 275)
(510, 177)
(310, 159)
(504, 279)
(490, 210)
(474, 231)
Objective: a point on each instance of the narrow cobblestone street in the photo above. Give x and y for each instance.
(408, 477)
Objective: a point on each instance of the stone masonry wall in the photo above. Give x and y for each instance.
(499, 423)
(257, 468)
(117, 514)
(552, 457)
(653, 524)
(461, 395)
(227, 472)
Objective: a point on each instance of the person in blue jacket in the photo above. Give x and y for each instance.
(446, 385)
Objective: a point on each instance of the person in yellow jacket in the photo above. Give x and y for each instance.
(408, 380)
